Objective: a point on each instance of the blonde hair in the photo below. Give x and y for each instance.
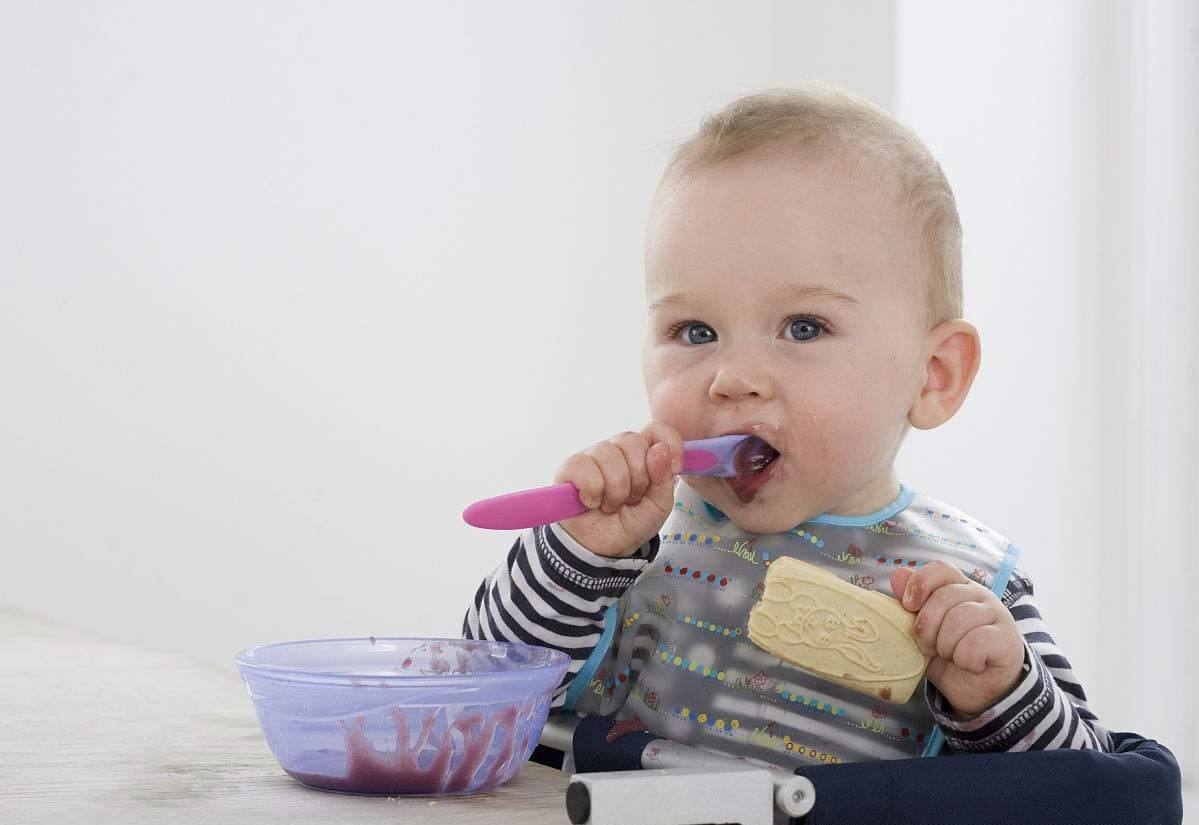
(826, 121)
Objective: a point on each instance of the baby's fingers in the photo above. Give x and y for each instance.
(959, 622)
(938, 605)
(982, 647)
(661, 489)
(582, 471)
(634, 446)
(930, 578)
(617, 478)
(659, 432)
(899, 582)
(659, 467)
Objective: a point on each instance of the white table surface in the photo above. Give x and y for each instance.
(94, 731)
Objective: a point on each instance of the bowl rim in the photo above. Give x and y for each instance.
(555, 659)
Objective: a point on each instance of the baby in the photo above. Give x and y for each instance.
(803, 281)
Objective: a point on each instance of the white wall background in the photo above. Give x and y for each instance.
(1070, 133)
(284, 287)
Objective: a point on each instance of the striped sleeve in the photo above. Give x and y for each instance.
(1047, 708)
(551, 591)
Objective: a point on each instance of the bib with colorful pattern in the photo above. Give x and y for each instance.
(676, 651)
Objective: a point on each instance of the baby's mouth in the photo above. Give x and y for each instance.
(755, 465)
(753, 456)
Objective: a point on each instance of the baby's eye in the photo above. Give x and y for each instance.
(694, 332)
(803, 328)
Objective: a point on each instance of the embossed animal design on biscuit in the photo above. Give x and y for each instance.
(852, 636)
(811, 623)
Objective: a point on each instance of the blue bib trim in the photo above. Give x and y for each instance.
(583, 677)
(900, 504)
(714, 513)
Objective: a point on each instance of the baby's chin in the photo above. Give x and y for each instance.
(764, 514)
(760, 520)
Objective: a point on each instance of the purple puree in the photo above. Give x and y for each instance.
(398, 771)
(752, 456)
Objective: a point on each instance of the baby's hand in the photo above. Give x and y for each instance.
(628, 482)
(978, 654)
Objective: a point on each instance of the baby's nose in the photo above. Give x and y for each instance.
(738, 380)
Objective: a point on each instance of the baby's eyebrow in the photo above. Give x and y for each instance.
(788, 293)
(668, 301)
(803, 292)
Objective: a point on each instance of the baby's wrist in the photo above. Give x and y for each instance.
(964, 711)
(969, 711)
(593, 555)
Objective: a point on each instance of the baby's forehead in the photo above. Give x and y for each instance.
(780, 221)
(849, 171)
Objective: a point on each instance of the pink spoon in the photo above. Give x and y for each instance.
(726, 455)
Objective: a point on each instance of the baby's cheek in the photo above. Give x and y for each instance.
(815, 450)
(845, 445)
(669, 402)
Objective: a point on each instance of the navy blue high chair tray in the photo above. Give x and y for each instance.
(1138, 782)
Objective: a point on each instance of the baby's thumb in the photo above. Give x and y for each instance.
(899, 583)
(661, 479)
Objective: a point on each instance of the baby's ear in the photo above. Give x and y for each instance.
(954, 351)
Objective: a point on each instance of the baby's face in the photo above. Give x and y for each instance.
(787, 301)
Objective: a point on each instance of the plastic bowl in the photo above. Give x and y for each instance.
(414, 717)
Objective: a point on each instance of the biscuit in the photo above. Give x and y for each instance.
(857, 638)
